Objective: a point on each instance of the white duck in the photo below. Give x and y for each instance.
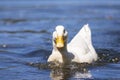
(79, 50)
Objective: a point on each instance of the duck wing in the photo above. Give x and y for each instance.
(81, 46)
(83, 37)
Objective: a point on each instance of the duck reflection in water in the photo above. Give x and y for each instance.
(77, 71)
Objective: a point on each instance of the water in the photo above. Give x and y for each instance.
(26, 30)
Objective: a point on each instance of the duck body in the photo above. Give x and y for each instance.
(79, 50)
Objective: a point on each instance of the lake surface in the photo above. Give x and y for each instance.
(26, 32)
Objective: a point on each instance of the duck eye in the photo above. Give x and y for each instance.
(64, 31)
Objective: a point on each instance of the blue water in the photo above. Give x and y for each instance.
(26, 32)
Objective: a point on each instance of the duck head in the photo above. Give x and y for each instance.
(60, 37)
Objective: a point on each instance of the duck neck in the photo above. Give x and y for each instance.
(63, 52)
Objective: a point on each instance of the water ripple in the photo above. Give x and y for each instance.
(26, 31)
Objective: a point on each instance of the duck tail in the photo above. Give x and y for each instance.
(85, 32)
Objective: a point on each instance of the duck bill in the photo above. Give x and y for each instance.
(59, 42)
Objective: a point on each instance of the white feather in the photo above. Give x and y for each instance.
(79, 50)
